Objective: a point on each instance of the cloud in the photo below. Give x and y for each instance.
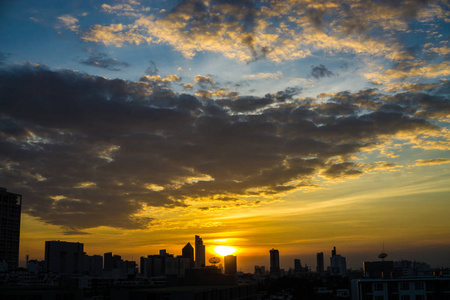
(152, 70)
(320, 72)
(69, 22)
(157, 78)
(264, 76)
(247, 32)
(204, 81)
(433, 161)
(88, 151)
(102, 60)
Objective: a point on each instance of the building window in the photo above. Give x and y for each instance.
(405, 297)
(420, 297)
(419, 285)
(379, 297)
(404, 286)
(378, 287)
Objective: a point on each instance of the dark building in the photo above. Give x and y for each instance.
(378, 269)
(188, 292)
(408, 288)
(10, 206)
(230, 264)
(93, 265)
(64, 257)
(188, 252)
(108, 261)
(199, 252)
(260, 270)
(338, 264)
(274, 262)
(320, 265)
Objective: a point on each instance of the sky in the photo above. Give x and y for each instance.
(300, 125)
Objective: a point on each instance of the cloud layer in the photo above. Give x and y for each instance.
(274, 30)
(88, 151)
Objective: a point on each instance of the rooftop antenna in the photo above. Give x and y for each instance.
(383, 254)
(214, 260)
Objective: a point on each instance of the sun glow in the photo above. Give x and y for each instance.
(224, 250)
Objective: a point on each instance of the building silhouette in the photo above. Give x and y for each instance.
(230, 264)
(274, 262)
(378, 269)
(298, 265)
(338, 265)
(188, 252)
(108, 261)
(164, 264)
(199, 252)
(320, 268)
(412, 288)
(10, 206)
(64, 257)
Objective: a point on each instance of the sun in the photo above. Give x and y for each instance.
(224, 250)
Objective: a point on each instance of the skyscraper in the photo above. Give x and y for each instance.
(10, 206)
(199, 252)
(230, 264)
(297, 265)
(274, 262)
(188, 252)
(320, 266)
(338, 265)
(64, 257)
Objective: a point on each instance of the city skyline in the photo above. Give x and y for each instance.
(275, 263)
(297, 125)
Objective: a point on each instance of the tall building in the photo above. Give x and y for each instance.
(274, 262)
(230, 264)
(188, 252)
(320, 265)
(10, 206)
(199, 252)
(338, 265)
(64, 257)
(298, 265)
(93, 265)
(108, 261)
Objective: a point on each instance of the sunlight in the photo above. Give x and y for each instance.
(224, 250)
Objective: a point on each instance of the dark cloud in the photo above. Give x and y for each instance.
(87, 151)
(353, 26)
(102, 60)
(320, 71)
(152, 70)
(316, 17)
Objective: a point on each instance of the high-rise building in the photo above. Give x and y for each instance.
(108, 261)
(10, 206)
(93, 265)
(338, 265)
(297, 265)
(230, 264)
(188, 252)
(199, 252)
(274, 262)
(320, 265)
(64, 257)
